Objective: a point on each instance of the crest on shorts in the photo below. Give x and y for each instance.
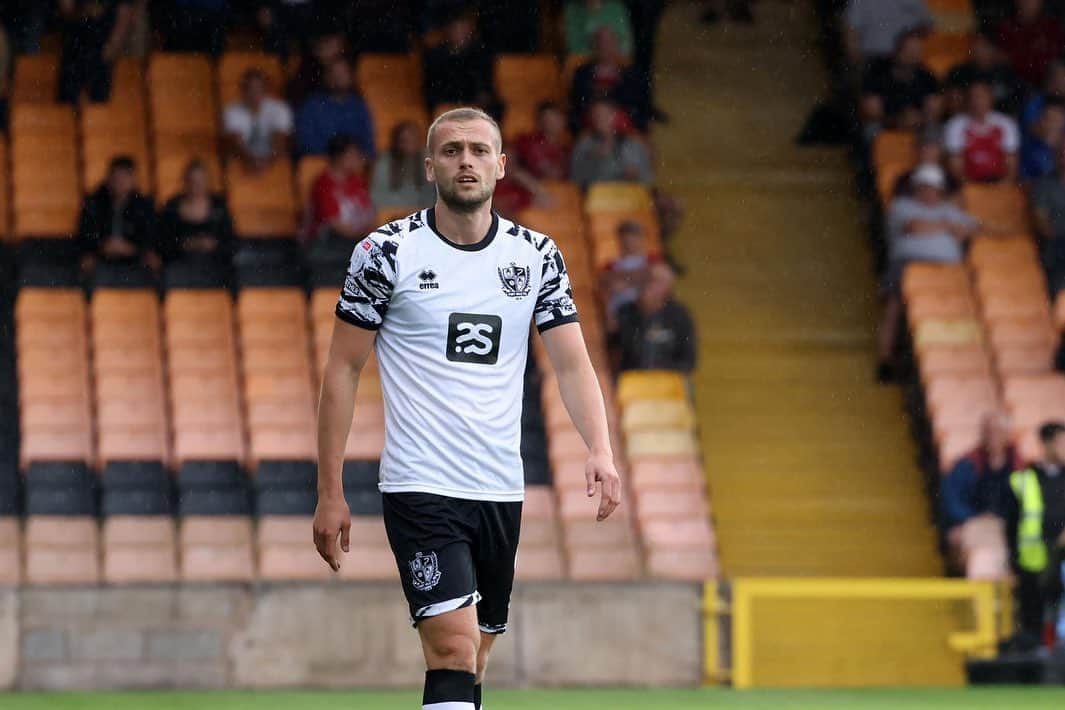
(515, 280)
(424, 571)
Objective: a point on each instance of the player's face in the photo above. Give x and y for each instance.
(465, 164)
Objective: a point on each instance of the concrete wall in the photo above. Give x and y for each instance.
(336, 635)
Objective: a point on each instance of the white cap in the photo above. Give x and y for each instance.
(929, 175)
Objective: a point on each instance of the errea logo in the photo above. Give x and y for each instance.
(473, 338)
(428, 280)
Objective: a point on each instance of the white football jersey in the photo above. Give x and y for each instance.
(453, 327)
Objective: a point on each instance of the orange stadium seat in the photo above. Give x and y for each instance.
(887, 176)
(894, 147)
(370, 557)
(263, 204)
(1001, 207)
(970, 359)
(44, 176)
(10, 551)
(127, 85)
(283, 550)
(36, 79)
(944, 51)
(5, 187)
(170, 170)
(108, 131)
(216, 549)
(307, 171)
(62, 550)
(139, 549)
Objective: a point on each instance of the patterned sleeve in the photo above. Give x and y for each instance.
(368, 287)
(554, 302)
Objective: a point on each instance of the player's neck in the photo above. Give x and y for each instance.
(464, 228)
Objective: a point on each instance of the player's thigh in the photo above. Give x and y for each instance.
(451, 640)
(497, 545)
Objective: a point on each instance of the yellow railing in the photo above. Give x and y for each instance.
(815, 611)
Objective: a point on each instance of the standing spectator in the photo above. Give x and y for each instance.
(605, 154)
(1042, 143)
(399, 175)
(1035, 522)
(607, 76)
(460, 68)
(873, 26)
(116, 232)
(546, 152)
(583, 18)
(646, 15)
(1053, 90)
(196, 26)
(654, 332)
(985, 64)
(340, 203)
(196, 232)
(257, 126)
(622, 277)
(94, 33)
(929, 152)
(310, 76)
(924, 227)
(982, 143)
(339, 111)
(1048, 212)
(1031, 39)
(900, 92)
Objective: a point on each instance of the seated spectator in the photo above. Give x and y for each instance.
(1035, 525)
(654, 332)
(1042, 143)
(977, 483)
(985, 64)
(519, 189)
(340, 203)
(929, 152)
(583, 18)
(900, 92)
(94, 33)
(310, 76)
(1031, 40)
(460, 68)
(982, 143)
(337, 111)
(921, 227)
(196, 230)
(1053, 90)
(607, 76)
(546, 152)
(195, 26)
(1048, 212)
(116, 231)
(399, 175)
(605, 154)
(258, 126)
(622, 277)
(874, 25)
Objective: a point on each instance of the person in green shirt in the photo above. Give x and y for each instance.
(583, 17)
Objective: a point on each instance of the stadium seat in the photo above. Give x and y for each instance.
(44, 176)
(5, 188)
(262, 203)
(36, 79)
(618, 197)
(370, 557)
(170, 169)
(894, 146)
(139, 549)
(944, 51)
(694, 564)
(108, 131)
(284, 550)
(650, 384)
(675, 473)
(308, 169)
(1003, 207)
(604, 564)
(652, 414)
(216, 549)
(970, 359)
(10, 551)
(62, 550)
(887, 177)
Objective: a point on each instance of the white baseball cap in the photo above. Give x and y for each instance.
(929, 175)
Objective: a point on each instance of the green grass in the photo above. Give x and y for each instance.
(969, 699)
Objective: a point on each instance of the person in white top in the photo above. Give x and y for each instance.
(446, 298)
(258, 126)
(982, 142)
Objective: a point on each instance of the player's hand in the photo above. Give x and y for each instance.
(331, 518)
(600, 469)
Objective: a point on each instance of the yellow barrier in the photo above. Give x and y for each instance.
(856, 632)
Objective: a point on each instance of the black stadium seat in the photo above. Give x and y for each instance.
(289, 501)
(281, 475)
(60, 501)
(59, 474)
(229, 501)
(136, 502)
(140, 475)
(363, 502)
(210, 475)
(361, 475)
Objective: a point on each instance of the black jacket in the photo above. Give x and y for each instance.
(661, 341)
(135, 222)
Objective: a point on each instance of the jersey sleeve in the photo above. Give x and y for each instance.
(554, 302)
(368, 287)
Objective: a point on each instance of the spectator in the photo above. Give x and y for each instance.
(339, 111)
(654, 332)
(583, 18)
(257, 126)
(383, 26)
(1035, 523)
(399, 175)
(26, 21)
(985, 64)
(6, 58)
(310, 77)
(116, 232)
(1053, 89)
(976, 484)
(622, 277)
(900, 92)
(340, 203)
(873, 26)
(519, 189)
(196, 230)
(94, 33)
(460, 68)
(646, 16)
(285, 22)
(982, 143)
(546, 152)
(1042, 142)
(924, 227)
(605, 154)
(196, 26)
(1048, 212)
(606, 76)
(929, 152)
(1031, 40)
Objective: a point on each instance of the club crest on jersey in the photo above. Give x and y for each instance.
(515, 280)
(424, 571)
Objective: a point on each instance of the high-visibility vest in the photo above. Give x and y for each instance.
(1031, 549)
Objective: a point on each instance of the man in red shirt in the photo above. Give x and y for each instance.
(1031, 40)
(545, 152)
(982, 143)
(340, 204)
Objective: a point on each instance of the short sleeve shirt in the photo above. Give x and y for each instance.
(257, 129)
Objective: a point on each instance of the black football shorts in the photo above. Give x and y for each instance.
(454, 552)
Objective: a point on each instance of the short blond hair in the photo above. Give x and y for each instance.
(463, 115)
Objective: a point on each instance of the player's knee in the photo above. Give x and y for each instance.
(453, 651)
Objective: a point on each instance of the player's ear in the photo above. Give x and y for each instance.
(502, 166)
(430, 175)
